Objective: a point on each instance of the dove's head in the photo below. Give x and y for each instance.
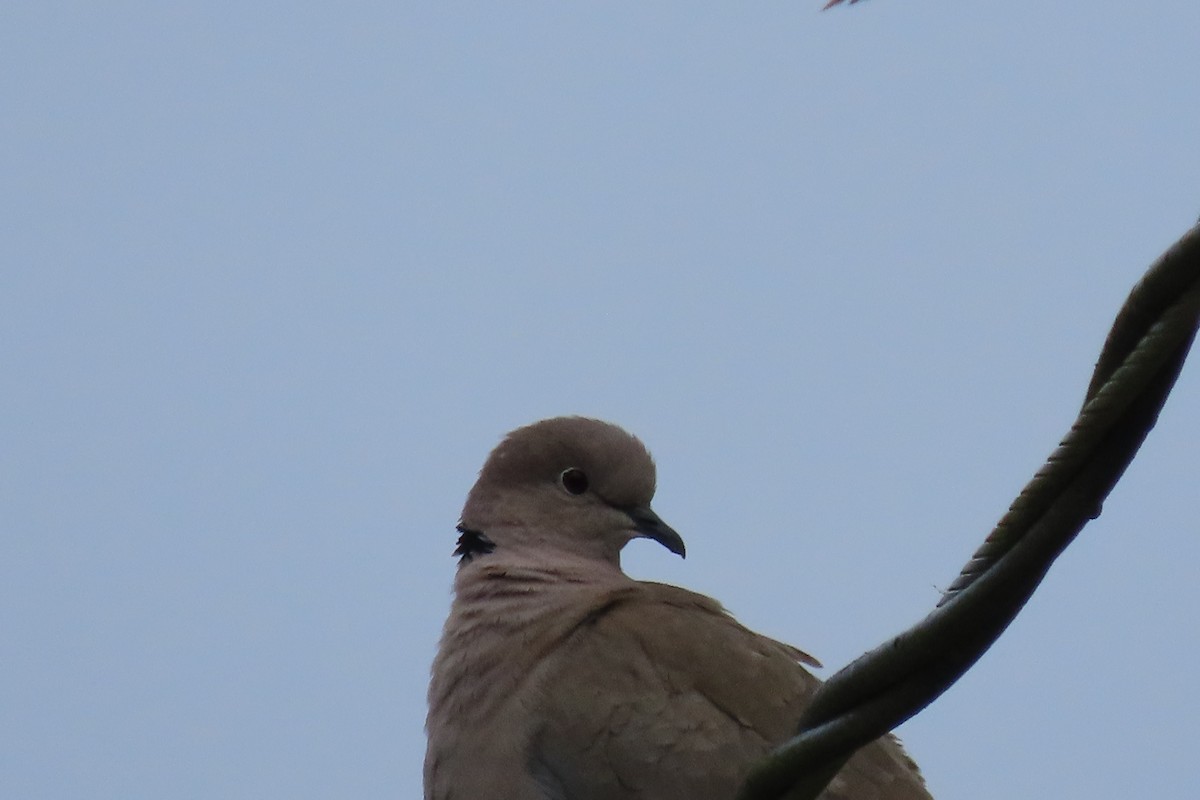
(572, 485)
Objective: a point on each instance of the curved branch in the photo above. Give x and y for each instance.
(1138, 365)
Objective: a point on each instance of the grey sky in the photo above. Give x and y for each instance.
(275, 277)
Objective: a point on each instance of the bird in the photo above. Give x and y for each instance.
(559, 677)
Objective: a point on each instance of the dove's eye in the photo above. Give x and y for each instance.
(573, 480)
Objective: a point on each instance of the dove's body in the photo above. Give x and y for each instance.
(560, 678)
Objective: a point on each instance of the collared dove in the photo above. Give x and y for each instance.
(559, 677)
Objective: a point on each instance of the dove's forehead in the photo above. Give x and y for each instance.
(608, 453)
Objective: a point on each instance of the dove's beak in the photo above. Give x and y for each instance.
(651, 526)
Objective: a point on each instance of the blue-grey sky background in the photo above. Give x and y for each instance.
(274, 278)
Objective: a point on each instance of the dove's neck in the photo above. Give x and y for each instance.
(518, 586)
(509, 610)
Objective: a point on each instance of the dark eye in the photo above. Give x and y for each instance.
(573, 480)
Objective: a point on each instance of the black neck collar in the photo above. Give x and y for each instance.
(472, 543)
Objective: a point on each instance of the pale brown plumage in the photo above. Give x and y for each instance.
(559, 677)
